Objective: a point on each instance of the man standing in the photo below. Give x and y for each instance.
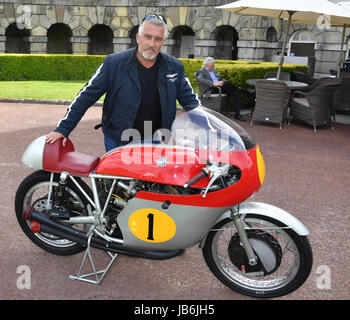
(209, 76)
(141, 84)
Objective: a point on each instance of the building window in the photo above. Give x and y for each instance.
(226, 43)
(58, 39)
(271, 35)
(16, 39)
(100, 40)
(184, 42)
(302, 43)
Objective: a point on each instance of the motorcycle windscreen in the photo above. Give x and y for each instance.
(203, 128)
(212, 135)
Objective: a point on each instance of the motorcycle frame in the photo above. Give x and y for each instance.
(96, 216)
(94, 208)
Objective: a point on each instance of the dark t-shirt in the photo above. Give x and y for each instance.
(150, 109)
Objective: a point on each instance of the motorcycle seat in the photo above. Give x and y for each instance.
(57, 158)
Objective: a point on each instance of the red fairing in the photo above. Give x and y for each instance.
(175, 166)
(166, 165)
(57, 158)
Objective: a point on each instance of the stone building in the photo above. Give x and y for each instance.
(196, 29)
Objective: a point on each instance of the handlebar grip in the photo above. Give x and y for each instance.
(196, 178)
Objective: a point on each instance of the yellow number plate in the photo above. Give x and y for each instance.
(152, 225)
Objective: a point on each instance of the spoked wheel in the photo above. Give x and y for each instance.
(284, 259)
(33, 192)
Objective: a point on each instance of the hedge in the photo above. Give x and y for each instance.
(48, 66)
(81, 67)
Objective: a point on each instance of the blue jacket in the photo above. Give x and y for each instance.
(118, 77)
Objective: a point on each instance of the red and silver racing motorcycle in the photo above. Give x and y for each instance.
(154, 199)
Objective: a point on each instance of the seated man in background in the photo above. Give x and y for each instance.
(209, 76)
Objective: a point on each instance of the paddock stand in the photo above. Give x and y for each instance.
(94, 274)
(156, 255)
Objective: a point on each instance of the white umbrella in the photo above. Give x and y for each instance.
(296, 11)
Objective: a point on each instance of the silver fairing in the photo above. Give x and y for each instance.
(192, 223)
(33, 155)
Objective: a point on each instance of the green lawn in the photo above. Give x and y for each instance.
(41, 90)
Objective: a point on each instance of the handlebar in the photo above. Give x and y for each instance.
(204, 173)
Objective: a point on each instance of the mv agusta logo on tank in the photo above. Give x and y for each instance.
(161, 162)
(152, 199)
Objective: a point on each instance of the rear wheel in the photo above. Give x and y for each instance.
(33, 192)
(284, 258)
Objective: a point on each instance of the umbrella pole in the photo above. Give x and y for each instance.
(341, 54)
(290, 14)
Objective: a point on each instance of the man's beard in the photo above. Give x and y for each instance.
(152, 57)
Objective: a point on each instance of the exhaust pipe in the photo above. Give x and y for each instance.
(42, 223)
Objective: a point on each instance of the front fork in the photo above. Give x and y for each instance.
(243, 236)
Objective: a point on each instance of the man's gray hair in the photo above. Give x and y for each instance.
(208, 61)
(155, 21)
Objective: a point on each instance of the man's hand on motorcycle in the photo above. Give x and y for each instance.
(52, 137)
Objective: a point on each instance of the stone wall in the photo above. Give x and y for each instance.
(122, 16)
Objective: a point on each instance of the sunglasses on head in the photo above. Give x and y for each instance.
(154, 16)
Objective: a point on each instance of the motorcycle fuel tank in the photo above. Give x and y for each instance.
(171, 165)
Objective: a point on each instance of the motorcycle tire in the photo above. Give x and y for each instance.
(33, 191)
(291, 255)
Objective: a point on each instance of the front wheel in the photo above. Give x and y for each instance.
(284, 259)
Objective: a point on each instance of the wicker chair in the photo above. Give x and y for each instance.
(321, 82)
(303, 76)
(272, 74)
(341, 99)
(271, 103)
(216, 101)
(314, 107)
